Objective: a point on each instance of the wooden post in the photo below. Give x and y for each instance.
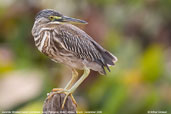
(53, 105)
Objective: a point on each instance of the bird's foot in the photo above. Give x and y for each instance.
(66, 92)
(55, 91)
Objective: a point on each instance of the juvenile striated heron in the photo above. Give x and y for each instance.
(62, 42)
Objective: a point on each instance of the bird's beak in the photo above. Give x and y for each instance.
(73, 20)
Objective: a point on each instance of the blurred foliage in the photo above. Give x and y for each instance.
(138, 32)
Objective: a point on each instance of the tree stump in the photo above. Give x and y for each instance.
(53, 105)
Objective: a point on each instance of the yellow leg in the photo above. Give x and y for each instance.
(82, 78)
(73, 79)
(73, 88)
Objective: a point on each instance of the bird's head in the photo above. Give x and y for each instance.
(49, 15)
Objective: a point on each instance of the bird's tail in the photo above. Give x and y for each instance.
(109, 60)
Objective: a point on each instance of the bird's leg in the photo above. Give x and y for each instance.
(68, 86)
(65, 90)
(70, 83)
(74, 87)
(73, 79)
(82, 78)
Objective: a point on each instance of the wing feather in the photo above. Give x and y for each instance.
(83, 46)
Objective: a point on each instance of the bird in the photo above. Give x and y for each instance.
(56, 36)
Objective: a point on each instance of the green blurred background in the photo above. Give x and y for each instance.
(138, 32)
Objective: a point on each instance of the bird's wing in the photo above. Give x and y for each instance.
(79, 46)
(83, 46)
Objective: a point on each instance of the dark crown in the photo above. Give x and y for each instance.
(47, 12)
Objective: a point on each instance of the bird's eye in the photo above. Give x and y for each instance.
(54, 18)
(51, 18)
